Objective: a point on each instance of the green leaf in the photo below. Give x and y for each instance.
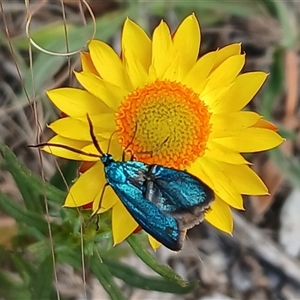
(99, 269)
(46, 66)
(12, 289)
(40, 250)
(3, 254)
(221, 7)
(65, 175)
(32, 232)
(103, 274)
(41, 284)
(138, 280)
(285, 13)
(24, 268)
(150, 260)
(288, 165)
(243, 9)
(32, 202)
(287, 134)
(10, 207)
(78, 35)
(71, 256)
(19, 171)
(269, 5)
(289, 23)
(274, 86)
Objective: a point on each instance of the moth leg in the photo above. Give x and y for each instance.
(101, 198)
(131, 156)
(94, 214)
(97, 222)
(123, 155)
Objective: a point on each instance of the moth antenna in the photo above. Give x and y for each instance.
(110, 139)
(94, 139)
(128, 145)
(64, 147)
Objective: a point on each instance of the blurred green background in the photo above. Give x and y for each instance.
(42, 254)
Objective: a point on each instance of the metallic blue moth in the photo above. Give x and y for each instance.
(178, 193)
(175, 193)
(165, 202)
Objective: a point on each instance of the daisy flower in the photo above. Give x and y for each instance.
(186, 110)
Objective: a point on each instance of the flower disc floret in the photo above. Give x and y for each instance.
(164, 123)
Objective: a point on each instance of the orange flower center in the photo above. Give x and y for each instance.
(166, 120)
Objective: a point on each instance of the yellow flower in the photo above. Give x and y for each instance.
(186, 110)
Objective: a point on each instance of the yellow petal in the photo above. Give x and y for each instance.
(174, 71)
(77, 103)
(108, 64)
(162, 49)
(78, 129)
(153, 242)
(213, 96)
(245, 180)
(109, 199)
(219, 215)
(137, 73)
(87, 187)
(234, 120)
(110, 94)
(242, 91)
(226, 52)
(224, 75)
(197, 77)
(72, 129)
(123, 224)
(209, 172)
(261, 123)
(215, 151)
(186, 43)
(60, 152)
(226, 124)
(136, 41)
(87, 64)
(102, 122)
(251, 140)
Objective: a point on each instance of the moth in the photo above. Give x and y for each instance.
(165, 202)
